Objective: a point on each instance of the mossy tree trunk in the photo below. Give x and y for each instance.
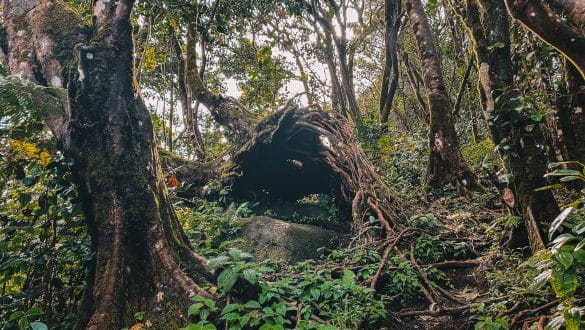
(143, 260)
(522, 148)
(446, 164)
(561, 23)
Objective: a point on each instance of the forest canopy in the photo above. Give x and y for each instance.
(299, 164)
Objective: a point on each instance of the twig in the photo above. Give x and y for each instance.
(456, 264)
(435, 312)
(509, 311)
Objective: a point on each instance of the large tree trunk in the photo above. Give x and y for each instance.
(143, 260)
(519, 146)
(446, 164)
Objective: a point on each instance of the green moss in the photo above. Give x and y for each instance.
(65, 27)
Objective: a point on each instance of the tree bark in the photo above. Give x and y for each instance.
(521, 148)
(187, 70)
(573, 113)
(446, 164)
(392, 11)
(143, 260)
(567, 37)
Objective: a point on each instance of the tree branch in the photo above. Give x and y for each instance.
(549, 26)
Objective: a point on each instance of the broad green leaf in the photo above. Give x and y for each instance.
(565, 258)
(215, 263)
(38, 326)
(245, 319)
(541, 279)
(209, 327)
(315, 293)
(572, 320)
(564, 282)
(139, 316)
(253, 304)
(229, 308)
(230, 316)
(34, 312)
(194, 309)
(251, 276)
(537, 117)
(579, 255)
(348, 277)
(203, 314)
(558, 221)
(15, 315)
(235, 253)
(226, 279)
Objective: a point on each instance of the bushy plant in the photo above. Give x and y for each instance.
(563, 264)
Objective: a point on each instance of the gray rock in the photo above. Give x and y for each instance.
(288, 242)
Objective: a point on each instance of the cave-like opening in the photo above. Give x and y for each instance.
(289, 168)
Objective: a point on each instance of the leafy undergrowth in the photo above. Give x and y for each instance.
(450, 271)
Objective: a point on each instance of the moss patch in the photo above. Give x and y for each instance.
(65, 27)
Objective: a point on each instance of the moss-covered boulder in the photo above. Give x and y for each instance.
(289, 242)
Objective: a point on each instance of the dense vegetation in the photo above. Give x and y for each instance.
(309, 164)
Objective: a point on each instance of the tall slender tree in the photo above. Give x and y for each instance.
(446, 164)
(392, 13)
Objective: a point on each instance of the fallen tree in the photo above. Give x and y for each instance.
(298, 152)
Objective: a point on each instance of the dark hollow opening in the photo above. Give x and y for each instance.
(288, 167)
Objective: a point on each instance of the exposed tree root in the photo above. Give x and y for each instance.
(516, 319)
(374, 280)
(306, 146)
